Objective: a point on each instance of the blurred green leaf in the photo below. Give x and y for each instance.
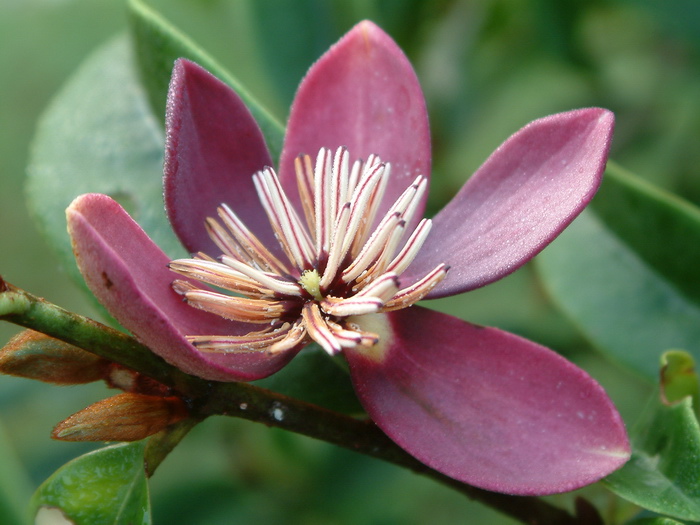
(99, 135)
(276, 22)
(159, 44)
(663, 474)
(626, 273)
(662, 229)
(107, 486)
(14, 484)
(654, 521)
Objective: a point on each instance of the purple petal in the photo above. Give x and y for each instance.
(129, 275)
(518, 201)
(362, 94)
(487, 407)
(213, 148)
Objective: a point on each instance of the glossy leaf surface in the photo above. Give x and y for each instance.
(106, 486)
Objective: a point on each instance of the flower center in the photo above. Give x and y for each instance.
(311, 282)
(331, 266)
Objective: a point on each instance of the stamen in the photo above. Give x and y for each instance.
(359, 202)
(339, 183)
(406, 199)
(336, 253)
(295, 336)
(274, 282)
(249, 242)
(372, 208)
(417, 290)
(420, 184)
(346, 338)
(383, 288)
(284, 219)
(366, 338)
(321, 201)
(354, 175)
(252, 342)
(342, 265)
(372, 249)
(318, 329)
(305, 184)
(387, 252)
(239, 309)
(212, 272)
(411, 248)
(345, 307)
(225, 242)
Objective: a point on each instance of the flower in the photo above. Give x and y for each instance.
(481, 405)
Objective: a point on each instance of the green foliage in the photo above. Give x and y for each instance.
(654, 521)
(14, 483)
(626, 274)
(105, 487)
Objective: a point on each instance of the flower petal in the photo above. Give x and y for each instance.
(518, 201)
(129, 275)
(213, 148)
(362, 94)
(486, 407)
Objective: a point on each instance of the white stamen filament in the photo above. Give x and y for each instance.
(244, 237)
(273, 282)
(417, 290)
(252, 342)
(411, 248)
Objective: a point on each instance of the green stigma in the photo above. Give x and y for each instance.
(311, 282)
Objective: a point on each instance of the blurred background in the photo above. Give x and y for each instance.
(487, 68)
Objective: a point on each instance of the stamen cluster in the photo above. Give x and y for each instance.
(337, 265)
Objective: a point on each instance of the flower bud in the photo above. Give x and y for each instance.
(124, 417)
(35, 355)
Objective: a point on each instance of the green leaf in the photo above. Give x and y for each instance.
(14, 484)
(654, 521)
(99, 135)
(159, 44)
(107, 486)
(273, 21)
(663, 474)
(625, 274)
(661, 228)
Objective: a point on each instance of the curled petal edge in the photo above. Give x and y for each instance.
(213, 148)
(129, 275)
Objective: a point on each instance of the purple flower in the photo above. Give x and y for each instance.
(332, 249)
